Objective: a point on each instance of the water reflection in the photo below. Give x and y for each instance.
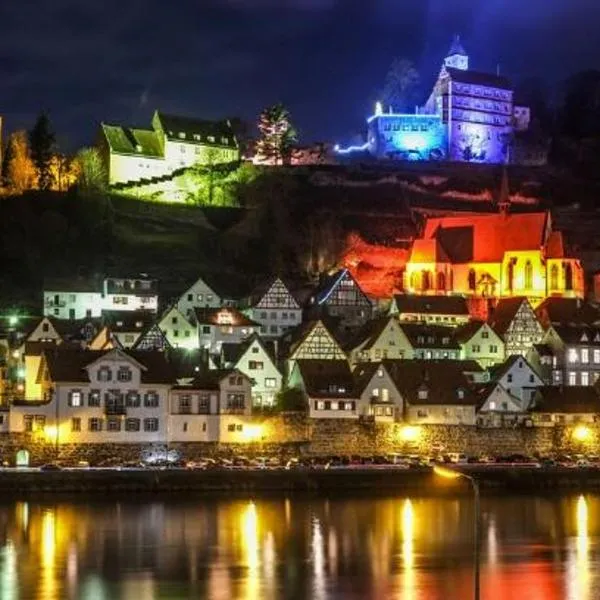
(361, 548)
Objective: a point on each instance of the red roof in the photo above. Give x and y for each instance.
(485, 238)
(428, 251)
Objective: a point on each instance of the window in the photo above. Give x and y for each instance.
(319, 405)
(113, 424)
(423, 394)
(206, 329)
(236, 401)
(485, 335)
(132, 399)
(509, 378)
(476, 348)
(204, 404)
(174, 320)
(585, 356)
(151, 424)
(28, 423)
(132, 424)
(239, 427)
(124, 374)
(185, 405)
(422, 414)
(94, 398)
(204, 426)
(45, 327)
(531, 379)
(184, 427)
(76, 424)
(528, 275)
(104, 374)
(95, 424)
(270, 382)
(231, 427)
(75, 398)
(493, 349)
(572, 355)
(585, 378)
(151, 400)
(472, 280)
(572, 378)
(255, 365)
(190, 297)
(597, 356)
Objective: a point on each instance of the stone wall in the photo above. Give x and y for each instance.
(293, 434)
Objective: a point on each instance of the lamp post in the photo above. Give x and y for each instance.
(452, 474)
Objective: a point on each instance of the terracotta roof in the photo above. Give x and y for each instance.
(210, 316)
(504, 313)
(485, 238)
(68, 365)
(577, 399)
(565, 311)
(441, 378)
(432, 305)
(555, 247)
(479, 78)
(430, 336)
(326, 378)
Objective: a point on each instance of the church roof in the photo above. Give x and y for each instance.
(486, 237)
(428, 251)
(431, 305)
(478, 78)
(457, 47)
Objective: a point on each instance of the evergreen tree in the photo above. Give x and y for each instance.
(277, 135)
(42, 141)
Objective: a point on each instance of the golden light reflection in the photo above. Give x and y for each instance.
(408, 550)
(22, 509)
(581, 433)
(48, 581)
(447, 473)
(318, 560)
(251, 550)
(8, 576)
(578, 569)
(582, 527)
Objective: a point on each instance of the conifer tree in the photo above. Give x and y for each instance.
(42, 141)
(277, 135)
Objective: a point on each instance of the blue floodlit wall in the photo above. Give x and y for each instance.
(408, 137)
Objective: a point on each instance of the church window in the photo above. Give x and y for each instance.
(472, 280)
(554, 277)
(441, 282)
(426, 281)
(510, 275)
(414, 281)
(528, 275)
(568, 277)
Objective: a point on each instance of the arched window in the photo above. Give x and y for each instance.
(472, 280)
(441, 282)
(568, 277)
(554, 277)
(510, 276)
(426, 281)
(451, 281)
(414, 281)
(528, 275)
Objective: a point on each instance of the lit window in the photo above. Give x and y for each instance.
(492, 406)
(124, 374)
(585, 378)
(585, 355)
(597, 356)
(270, 382)
(151, 424)
(75, 398)
(334, 405)
(320, 405)
(572, 378)
(572, 355)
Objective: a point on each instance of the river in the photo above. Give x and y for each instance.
(405, 548)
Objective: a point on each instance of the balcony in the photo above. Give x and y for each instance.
(53, 304)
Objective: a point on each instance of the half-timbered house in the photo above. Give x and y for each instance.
(515, 321)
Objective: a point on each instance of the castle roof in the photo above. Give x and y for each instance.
(486, 237)
(130, 140)
(478, 78)
(192, 130)
(457, 47)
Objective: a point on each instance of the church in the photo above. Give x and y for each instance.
(493, 255)
(470, 116)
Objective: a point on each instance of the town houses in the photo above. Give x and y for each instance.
(490, 328)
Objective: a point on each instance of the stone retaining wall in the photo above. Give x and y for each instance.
(293, 434)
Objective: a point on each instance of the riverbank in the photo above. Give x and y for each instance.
(250, 481)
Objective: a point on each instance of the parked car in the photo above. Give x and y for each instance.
(51, 467)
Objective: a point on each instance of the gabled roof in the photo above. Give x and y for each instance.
(223, 316)
(174, 125)
(498, 371)
(441, 378)
(564, 311)
(261, 290)
(126, 321)
(577, 399)
(555, 246)
(232, 353)
(431, 305)
(326, 378)
(478, 78)
(292, 339)
(578, 334)
(504, 313)
(68, 365)
(330, 283)
(130, 140)
(486, 237)
(421, 335)
(210, 379)
(145, 338)
(484, 391)
(464, 333)
(369, 333)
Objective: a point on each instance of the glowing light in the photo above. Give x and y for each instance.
(408, 531)
(21, 373)
(252, 433)
(410, 433)
(250, 547)
(48, 555)
(582, 433)
(51, 432)
(378, 109)
(579, 564)
(15, 354)
(350, 149)
(318, 559)
(13, 320)
(447, 473)
(8, 574)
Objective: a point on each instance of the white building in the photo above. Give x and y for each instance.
(214, 407)
(256, 361)
(174, 142)
(179, 330)
(217, 326)
(518, 378)
(274, 308)
(198, 295)
(96, 397)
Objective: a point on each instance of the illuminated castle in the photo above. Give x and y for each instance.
(469, 117)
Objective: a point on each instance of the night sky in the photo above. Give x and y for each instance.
(116, 60)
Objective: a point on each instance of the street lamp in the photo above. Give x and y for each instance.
(452, 474)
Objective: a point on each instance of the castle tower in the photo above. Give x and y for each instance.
(457, 58)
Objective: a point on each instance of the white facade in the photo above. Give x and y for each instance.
(380, 398)
(223, 326)
(198, 295)
(72, 305)
(520, 380)
(441, 414)
(485, 346)
(178, 330)
(390, 342)
(125, 168)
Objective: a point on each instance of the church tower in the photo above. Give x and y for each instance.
(457, 58)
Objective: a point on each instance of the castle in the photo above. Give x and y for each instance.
(470, 116)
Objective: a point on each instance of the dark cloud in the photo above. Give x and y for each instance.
(116, 60)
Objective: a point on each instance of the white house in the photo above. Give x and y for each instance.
(378, 396)
(215, 406)
(98, 397)
(254, 360)
(217, 326)
(198, 295)
(518, 378)
(380, 339)
(478, 341)
(274, 308)
(497, 407)
(130, 293)
(178, 329)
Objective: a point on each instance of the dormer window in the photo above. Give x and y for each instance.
(181, 135)
(460, 393)
(420, 339)
(139, 324)
(197, 137)
(380, 372)
(423, 394)
(445, 341)
(211, 138)
(138, 148)
(119, 323)
(224, 141)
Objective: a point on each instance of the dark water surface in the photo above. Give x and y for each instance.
(405, 548)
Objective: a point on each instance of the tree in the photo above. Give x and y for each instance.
(21, 173)
(277, 135)
(92, 175)
(401, 84)
(42, 141)
(291, 400)
(580, 112)
(64, 171)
